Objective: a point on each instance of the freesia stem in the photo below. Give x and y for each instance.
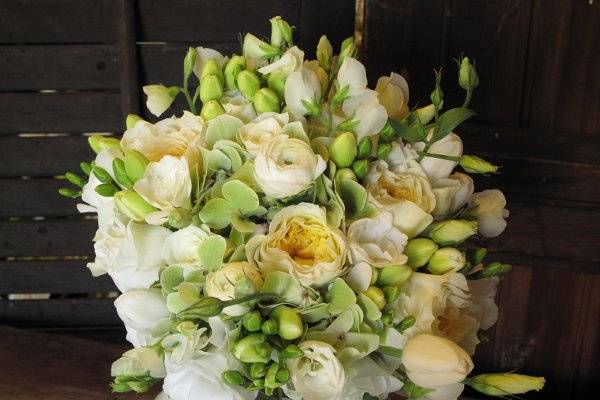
(467, 98)
(435, 155)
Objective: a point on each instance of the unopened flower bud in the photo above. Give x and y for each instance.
(102, 174)
(68, 192)
(258, 370)
(505, 384)
(348, 125)
(291, 351)
(495, 269)
(387, 134)
(269, 327)
(211, 109)
(120, 173)
(99, 143)
(452, 231)
(479, 255)
(235, 65)
(105, 190)
(248, 83)
(252, 349)
(256, 48)
(133, 205)
(425, 114)
(212, 68)
(135, 165)
(282, 376)
(364, 148)
(281, 32)
(211, 88)
(405, 323)
(276, 82)
(393, 275)
(419, 251)
(391, 293)
(205, 307)
(341, 94)
(374, 275)
(388, 317)
(343, 149)
(252, 321)
(289, 322)
(324, 53)
(467, 75)
(232, 377)
(383, 150)
(75, 179)
(437, 96)
(348, 49)
(266, 100)
(476, 165)
(86, 168)
(361, 168)
(131, 120)
(445, 260)
(376, 295)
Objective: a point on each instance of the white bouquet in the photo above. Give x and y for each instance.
(295, 233)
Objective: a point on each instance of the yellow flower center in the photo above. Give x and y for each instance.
(307, 243)
(399, 192)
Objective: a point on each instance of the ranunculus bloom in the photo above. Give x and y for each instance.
(393, 95)
(286, 166)
(140, 310)
(223, 282)
(302, 84)
(302, 243)
(263, 128)
(452, 193)
(488, 207)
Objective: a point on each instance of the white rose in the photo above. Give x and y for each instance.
(289, 62)
(488, 207)
(452, 193)
(286, 166)
(261, 130)
(376, 241)
(436, 168)
(318, 374)
(352, 74)
(140, 310)
(300, 85)
(205, 54)
(223, 283)
(200, 379)
(160, 98)
(302, 243)
(139, 362)
(435, 362)
(181, 247)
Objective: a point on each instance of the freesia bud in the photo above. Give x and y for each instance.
(68, 192)
(364, 148)
(495, 269)
(256, 48)
(467, 75)
(258, 370)
(391, 293)
(266, 100)
(479, 255)
(120, 173)
(269, 327)
(387, 134)
(211, 88)
(133, 205)
(99, 143)
(211, 67)
(252, 321)
(505, 384)
(281, 32)
(105, 190)
(341, 94)
(419, 251)
(188, 62)
(476, 165)
(102, 174)
(376, 295)
(131, 120)
(348, 49)
(361, 168)
(289, 322)
(232, 377)
(324, 53)
(75, 179)
(383, 150)
(348, 125)
(276, 82)
(211, 109)
(406, 323)
(235, 65)
(159, 98)
(452, 231)
(252, 349)
(393, 275)
(135, 164)
(445, 260)
(343, 149)
(248, 83)
(86, 168)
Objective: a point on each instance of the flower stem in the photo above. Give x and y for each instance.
(467, 98)
(435, 155)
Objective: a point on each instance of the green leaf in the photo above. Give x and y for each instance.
(406, 132)
(170, 278)
(211, 251)
(215, 160)
(240, 196)
(223, 127)
(188, 292)
(353, 194)
(234, 157)
(216, 213)
(368, 306)
(340, 296)
(450, 120)
(285, 286)
(390, 351)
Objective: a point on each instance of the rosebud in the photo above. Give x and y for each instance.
(419, 251)
(258, 370)
(211, 109)
(252, 321)
(269, 327)
(252, 349)
(235, 65)
(281, 32)
(276, 82)
(405, 323)
(391, 293)
(135, 165)
(248, 83)
(446, 259)
(505, 384)
(361, 168)
(133, 205)
(476, 165)
(288, 321)
(364, 148)
(266, 100)
(282, 376)
(376, 295)
(211, 88)
(343, 149)
(467, 75)
(131, 120)
(205, 307)
(291, 351)
(324, 53)
(256, 48)
(348, 49)
(452, 231)
(437, 96)
(99, 143)
(232, 377)
(387, 134)
(394, 275)
(383, 150)
(212, 68)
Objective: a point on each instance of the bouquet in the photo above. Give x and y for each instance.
(295, 233)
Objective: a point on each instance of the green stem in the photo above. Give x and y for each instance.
(186, 93)
(425, 149)
(467, 98)
(257, 296)
(435, 155)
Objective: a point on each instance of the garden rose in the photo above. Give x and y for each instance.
(181, 247)
(261, 130)
(452, 193)
(223, 283)
(488, 207)
(393, 95)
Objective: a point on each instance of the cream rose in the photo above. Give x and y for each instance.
(181, 247)
(488, 207)
(452, 193)
(302, 243)
(317, 374)
(268, 125)
(223, 282)
(435, 362)
(436, 168)
(393, 95)
(285, 166)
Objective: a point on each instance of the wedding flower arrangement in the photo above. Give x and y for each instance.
(295, 233)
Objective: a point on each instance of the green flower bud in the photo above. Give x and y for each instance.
(269, 327)
(364, 148)
(120, 172)
(133, 205)
(387, 134)
(505, 384)
(344, 173)
(393, 275)
(383, 150)
(312, 107)
(406, 323)
(102, 174)
(99, 143)
(391, 293)
(68, 192)
(233, 378)
(211, 109)
(495, 269)
(276, 82)
(235, 65)
(419, 251)
(257, 384)
(248, 83)
(106, 190)
(131, 120)
(135, 165)
(256, 48)
(205, 307)
(258, 370)
(446, 259)
(270, 377)
(282, 376)
(281, 32)
(388, 317)
(211, 88)
(343, 149)
(467, 75)
(291, 351)
(211, 67)
(341, 94)
(476, 165)
(348, 125)
(75, 179)
(86, 168)
(452, 231)
(374, 275)
(324, 53)
(189, 62)
(348, 49)
(360, 168)
(179, 218)
(479, 255)
(377, 295)
(289, 322)
(437, 96)
(266, 100)
(252, 349)
(252, 321)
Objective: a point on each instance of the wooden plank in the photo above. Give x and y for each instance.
(52, 21)
(494, 34)
(75, 67)
(130, 90)
(334, 18)
(199, 20)
(108, 334)
(562, 79)
(405, 37)
(42, 156)
(60, 237)
(51, 276)
(60, 112)
(35, 197)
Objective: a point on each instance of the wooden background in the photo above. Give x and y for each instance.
(70, 67)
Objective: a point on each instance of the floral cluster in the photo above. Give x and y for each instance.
(296, 233)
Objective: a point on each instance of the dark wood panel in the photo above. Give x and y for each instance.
(35, 197)
(51, 276)
(72, 237)
(76, 67)
(334, 18)
(57, 21)
(60, 112)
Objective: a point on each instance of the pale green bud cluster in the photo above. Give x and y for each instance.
(476, 165)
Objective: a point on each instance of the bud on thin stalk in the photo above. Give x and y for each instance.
(266, 100)
(211, 67)
(189, 62)
(324, 53)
